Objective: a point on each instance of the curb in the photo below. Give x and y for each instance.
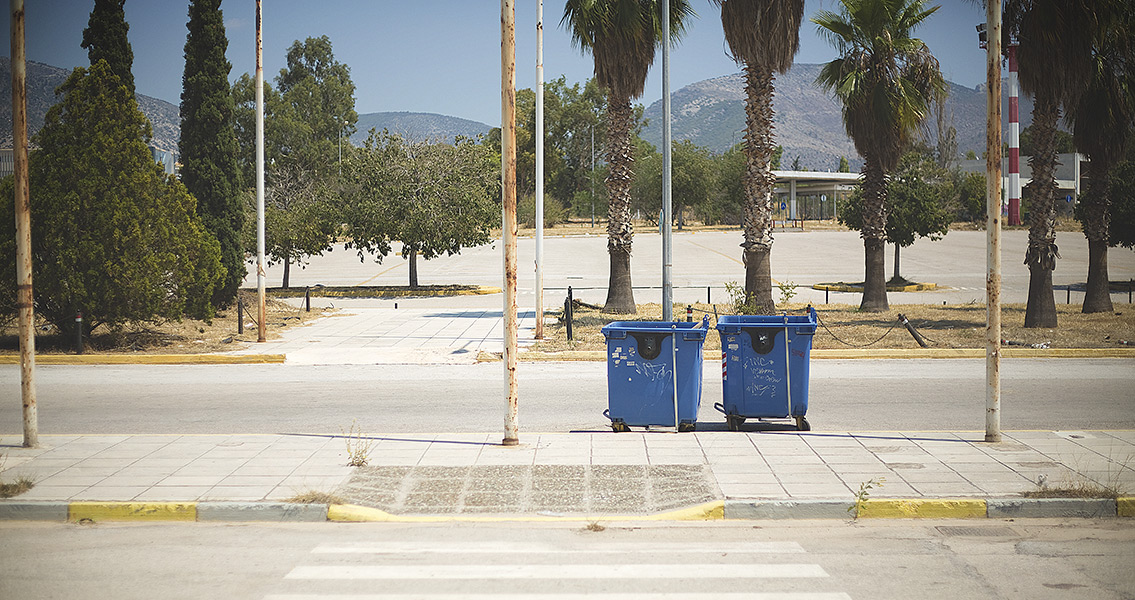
(479, 290)
(853, 354)
(730, 509)
(149, 359)
(858, 287)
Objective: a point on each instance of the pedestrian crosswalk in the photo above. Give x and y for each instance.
(527, 570)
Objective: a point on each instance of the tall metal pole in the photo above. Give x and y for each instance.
(262, 311)
(540, 169)
(993, 225)
(24, 297)
(508, 225)
(1014, 138)
(592, 176)
(667, 208)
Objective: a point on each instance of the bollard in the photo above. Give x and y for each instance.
(568, 313)
(307, 298)
(239, 316)
(79, 332)
(708, 297)
(689, 313)
(825, 296)
(913, 332)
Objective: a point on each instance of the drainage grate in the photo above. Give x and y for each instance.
(957, 531)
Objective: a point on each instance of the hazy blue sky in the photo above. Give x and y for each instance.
(440, 56)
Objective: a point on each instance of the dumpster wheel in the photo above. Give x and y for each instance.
(620, 426)
(802, 424)
(684, 427)
(733, 422)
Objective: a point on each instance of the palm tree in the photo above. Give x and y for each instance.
(1101, 126)
(622, 36)
(886, 81)
(1053, 58)
(763, 35)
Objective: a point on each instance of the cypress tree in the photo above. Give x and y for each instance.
(208, 145)
(105, 39)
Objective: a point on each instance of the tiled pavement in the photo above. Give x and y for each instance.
(564, 472)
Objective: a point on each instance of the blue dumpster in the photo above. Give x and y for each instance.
(642, 360)
(764, 367)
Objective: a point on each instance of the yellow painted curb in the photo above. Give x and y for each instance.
(922, 509)
(1125, 506)
(350, 513)
(132, 511)
(858, 288)
(149, 359)
(479, 290)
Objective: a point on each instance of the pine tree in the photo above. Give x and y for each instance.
(208, 146)
(105, 39)
(112, 236)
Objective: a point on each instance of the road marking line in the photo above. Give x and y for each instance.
(560, 572)
(537, 548)
(662, 596)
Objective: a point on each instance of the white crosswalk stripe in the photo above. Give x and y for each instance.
(523, 570)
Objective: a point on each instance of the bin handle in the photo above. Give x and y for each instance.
(719, 407)
(607, 413)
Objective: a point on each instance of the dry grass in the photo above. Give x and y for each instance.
(313, 497)
(844, 326)
(188, 336)
(22, 484)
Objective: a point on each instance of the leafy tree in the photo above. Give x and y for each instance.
(208, 145)
(763, 36)
(919, 195)
(112, 236)
(728, 202)
(886, 80)
(1101, 119)
(844, 166)
(971, 195)
(105, 39)
(303, 117)
(691, 181)
(971, 155)
(434, 198)
(300, 217)
(1053, 60)
(321, 94)
(622, 36)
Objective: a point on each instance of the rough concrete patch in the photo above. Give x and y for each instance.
(787, 509)
(33, 511)
(1052, 507)
(261, 511)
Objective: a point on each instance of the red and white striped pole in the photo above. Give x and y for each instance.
(1014, 140)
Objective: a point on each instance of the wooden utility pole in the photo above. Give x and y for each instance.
(508, 225)
(993, 224)
(262, 310)
(24, 297)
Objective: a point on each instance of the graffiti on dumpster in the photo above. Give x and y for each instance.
(761, 378)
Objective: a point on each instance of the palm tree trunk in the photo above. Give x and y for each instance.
(1042, 253)
(874, 238)
(620, 233)
(1095, 209)
(758, 182)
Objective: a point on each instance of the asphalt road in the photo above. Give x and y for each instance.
(845, 395)
(811, 560)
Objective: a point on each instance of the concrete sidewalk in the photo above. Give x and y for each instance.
(578, 475)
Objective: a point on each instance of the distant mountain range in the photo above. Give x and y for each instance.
(808, 121)
(709, 113)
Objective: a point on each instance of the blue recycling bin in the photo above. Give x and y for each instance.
(643, 358)
(764, 367)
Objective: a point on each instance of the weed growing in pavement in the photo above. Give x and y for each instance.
(787, 291)
(862, 495)
(22, 484)
(314, 497)
(1078, 485)
(595, 526)
(358, 445)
